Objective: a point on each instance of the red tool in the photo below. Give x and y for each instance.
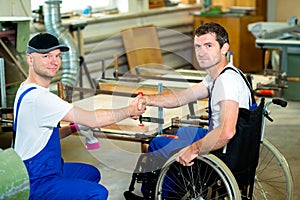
(141, 118)
(168, 136)
(265, 92)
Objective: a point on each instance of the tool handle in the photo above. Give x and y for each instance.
(141, 117)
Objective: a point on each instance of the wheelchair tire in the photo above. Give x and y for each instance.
(273, 178)
(207, 178)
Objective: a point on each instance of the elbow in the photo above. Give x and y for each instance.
(227, 134)
(230, 134)
(223, 140)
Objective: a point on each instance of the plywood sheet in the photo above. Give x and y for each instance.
(142, 47)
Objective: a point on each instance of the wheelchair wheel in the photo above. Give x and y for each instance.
(273, 179)
(208, 178)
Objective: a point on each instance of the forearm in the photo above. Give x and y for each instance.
(105, 117)
(169, 99)
(214, 140)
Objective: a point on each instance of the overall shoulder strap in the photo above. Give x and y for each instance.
(251, 106)
(246, 81)
(17, 112)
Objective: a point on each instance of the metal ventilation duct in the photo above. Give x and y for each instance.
(70, 59)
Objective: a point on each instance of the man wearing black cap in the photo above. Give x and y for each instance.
(37, 115)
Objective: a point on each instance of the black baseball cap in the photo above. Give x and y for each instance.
(44, 43)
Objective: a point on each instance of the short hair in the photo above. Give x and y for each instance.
(212, 27)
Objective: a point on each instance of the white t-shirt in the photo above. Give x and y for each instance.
(228, 86)
(39, 113)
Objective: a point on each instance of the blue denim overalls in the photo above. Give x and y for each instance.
(51, 178)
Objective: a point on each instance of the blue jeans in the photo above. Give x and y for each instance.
(165, 147)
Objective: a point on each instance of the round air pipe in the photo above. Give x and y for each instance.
(70, 59)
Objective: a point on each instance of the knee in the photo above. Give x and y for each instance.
(158, 143)
(94, 173)
(191, 134)
(101, 193)
(97, 175)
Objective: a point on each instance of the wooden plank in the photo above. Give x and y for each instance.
(156, 3)
(23, 72)
(142, 46)
(128, 128)
(150, 86)
(130, 88)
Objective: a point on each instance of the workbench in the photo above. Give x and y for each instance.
(288, 75)
(129, 129)
(282, 44)
(119, 93)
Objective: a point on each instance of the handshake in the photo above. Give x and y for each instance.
(91, 141)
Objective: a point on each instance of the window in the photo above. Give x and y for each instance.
(78, 5)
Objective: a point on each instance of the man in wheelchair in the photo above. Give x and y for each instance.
(228, 92)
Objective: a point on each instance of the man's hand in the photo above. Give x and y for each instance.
(186, 155)
(137, 106)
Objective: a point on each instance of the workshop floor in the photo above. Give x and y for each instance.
(116, 159)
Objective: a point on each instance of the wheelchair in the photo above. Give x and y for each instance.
(210, 178)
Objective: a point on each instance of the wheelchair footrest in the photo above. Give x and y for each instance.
(131, 196)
